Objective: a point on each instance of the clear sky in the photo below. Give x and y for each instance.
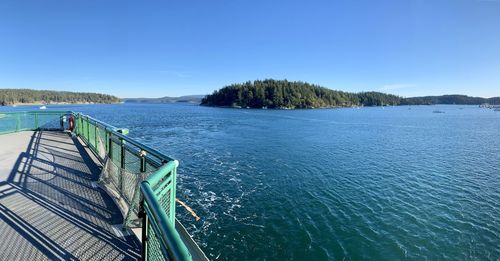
(171, 48)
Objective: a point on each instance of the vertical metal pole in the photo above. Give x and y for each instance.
(36, 121)
(95, 139)
(122, 154)
(88, 132)
(144, 234)
(106, 139)
(18, 121)
(110, 147)
(173, 196)
(122, 163)
(143, 160)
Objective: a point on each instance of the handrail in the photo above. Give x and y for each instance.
(172, 244)
(154, 189)
(22, 122)
(114, 131)
(40, 112)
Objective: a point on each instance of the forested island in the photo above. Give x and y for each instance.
(27, 96)
(283, 94)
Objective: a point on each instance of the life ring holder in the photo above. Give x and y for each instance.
(71, 123)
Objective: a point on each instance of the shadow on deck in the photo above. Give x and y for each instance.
(49, 208)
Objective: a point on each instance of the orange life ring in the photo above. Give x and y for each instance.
(71, 123)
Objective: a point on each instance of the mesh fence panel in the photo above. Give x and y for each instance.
(92, 136)
(102, 142)
(32, 120)
(49, 121)
(159, 196)
(125, 166)
(28, 121)
(8, 122)
(153, 250)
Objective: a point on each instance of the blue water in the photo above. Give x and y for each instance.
(386, 184)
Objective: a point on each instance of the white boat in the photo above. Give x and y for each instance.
(43, 107)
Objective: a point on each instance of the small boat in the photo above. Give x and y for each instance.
(43, 107)
(438, 112)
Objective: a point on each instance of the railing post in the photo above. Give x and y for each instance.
(122, 162)
(122, 157)
(142, 154)
(88, 131)
(110, 147)
(173, 193)
(36, 121)
(106, 140)
(145, 224)
(142, 211)
(95, 139)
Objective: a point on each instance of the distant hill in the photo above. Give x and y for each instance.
(285, 94)
(187, 98)
(450, 99)
(27, 96)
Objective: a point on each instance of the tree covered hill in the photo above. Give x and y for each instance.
(450, 99)
(285, 94)
(27, 96)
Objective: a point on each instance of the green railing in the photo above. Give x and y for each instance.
(129, 169)
(160, 239)
(128, 164)
(33, 120)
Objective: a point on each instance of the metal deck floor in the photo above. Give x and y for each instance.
(48, 206)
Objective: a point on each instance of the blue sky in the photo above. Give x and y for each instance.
(171, 48)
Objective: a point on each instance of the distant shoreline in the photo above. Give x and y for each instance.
(348, 107)
(284, 94)
(55, 103)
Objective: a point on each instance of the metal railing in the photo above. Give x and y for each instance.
(160, 239)
(132, 164)
(128, 162)
(142, 176)
(33, 120)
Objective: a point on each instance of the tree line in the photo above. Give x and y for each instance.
(289, 94)
(20, 96)
(450, 99)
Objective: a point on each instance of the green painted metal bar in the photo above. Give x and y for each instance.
(96, 133)
(160, 178)
(88, 131)
(172, 243)
(173, 192)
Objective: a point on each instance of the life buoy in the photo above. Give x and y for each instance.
(71, 122)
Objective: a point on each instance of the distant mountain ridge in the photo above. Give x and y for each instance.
(166, 99)
(450, 99)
